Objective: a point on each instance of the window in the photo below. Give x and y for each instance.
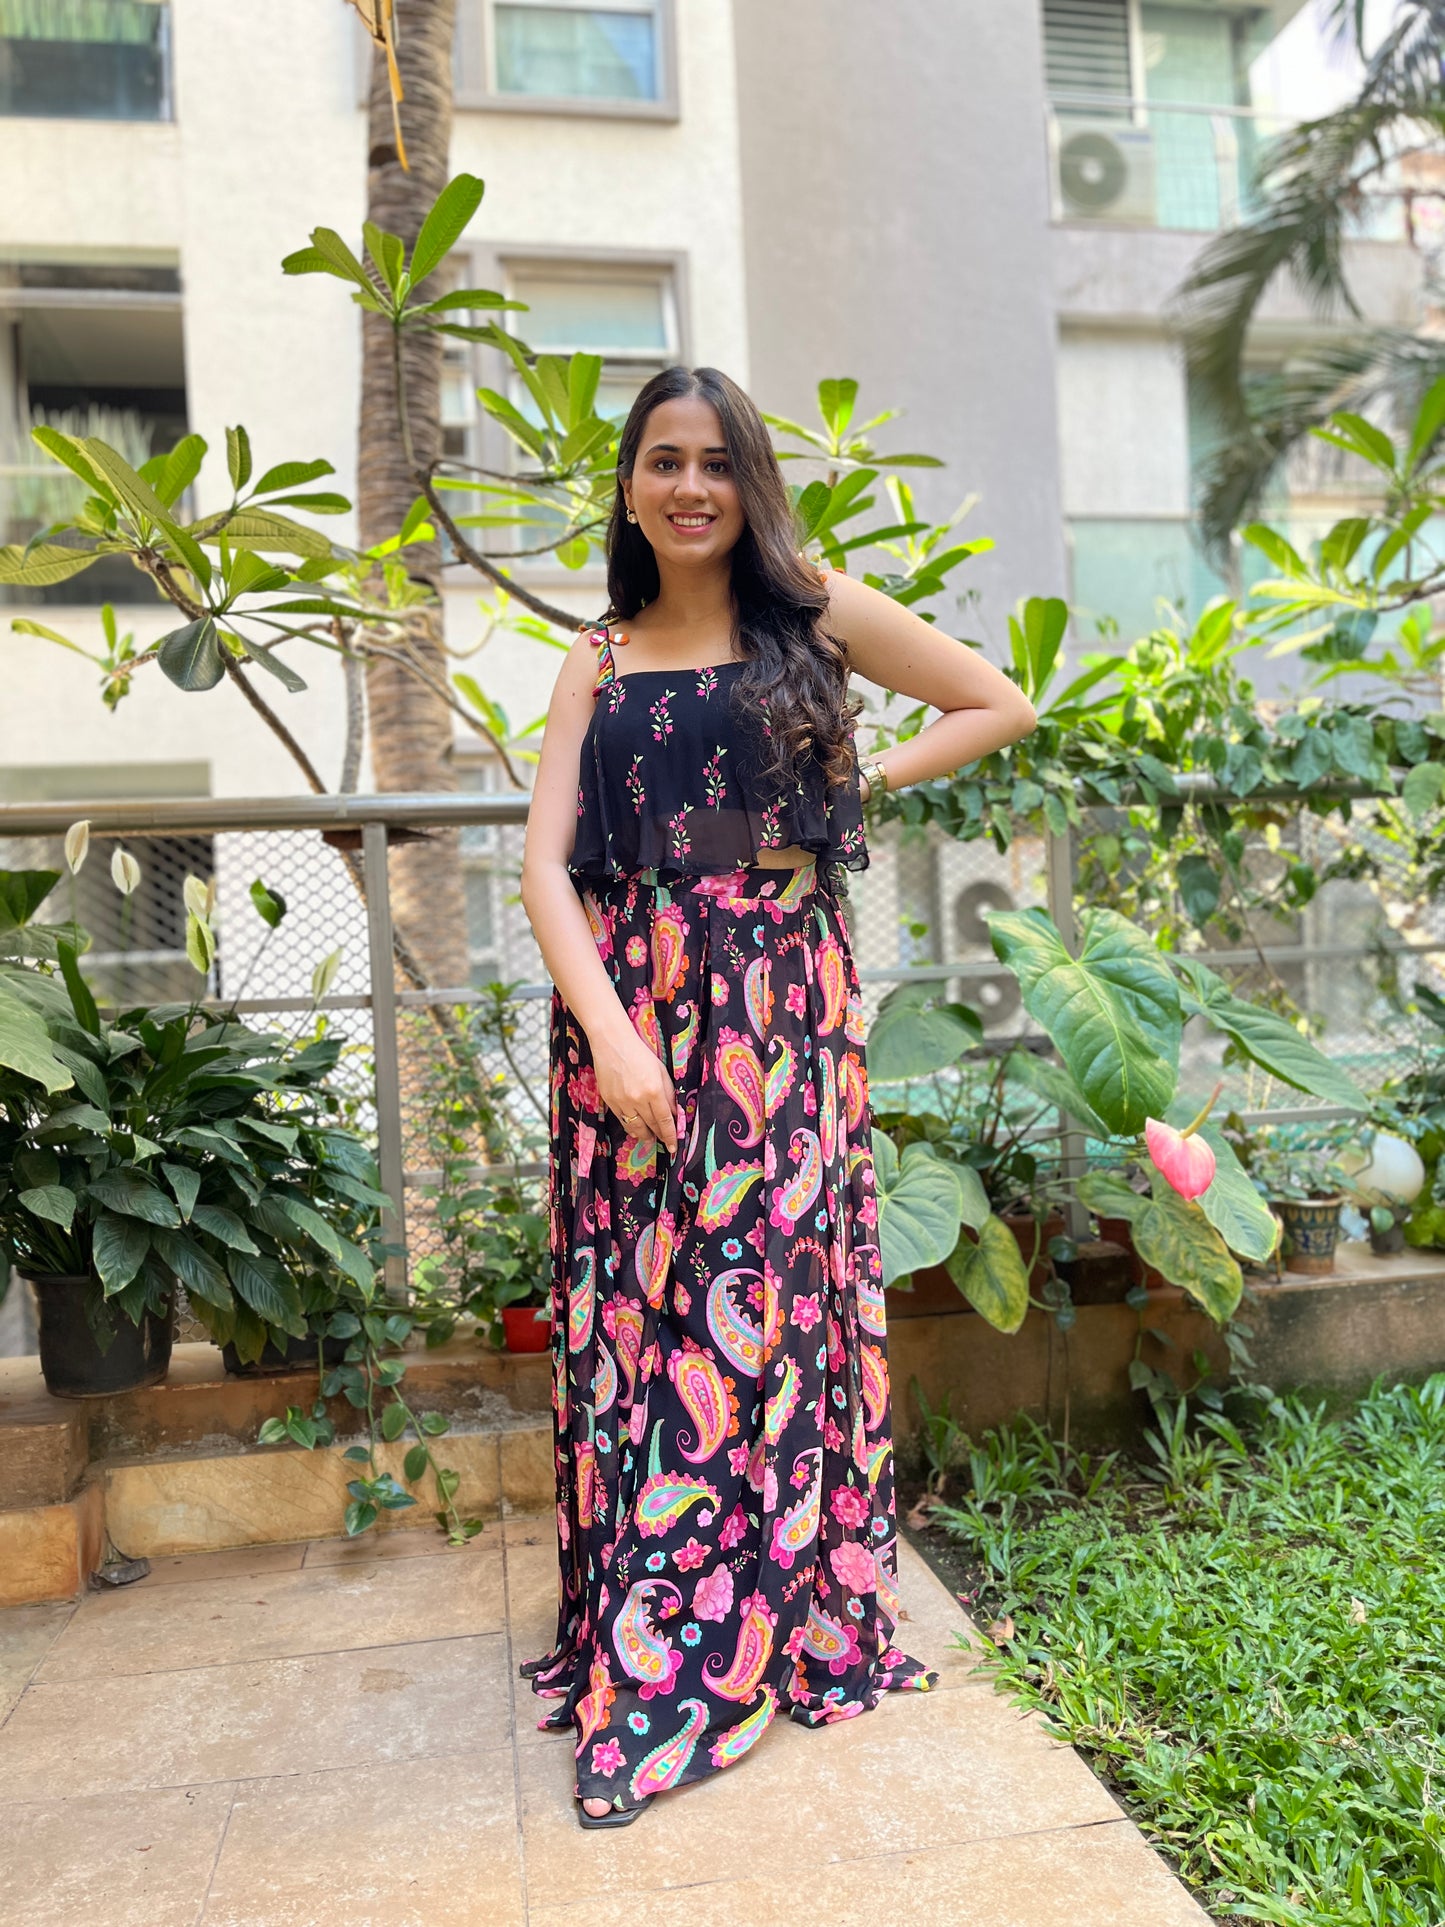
(90, 351)
(85, 59)
(628, 315)
(556, 56)
(625, 311)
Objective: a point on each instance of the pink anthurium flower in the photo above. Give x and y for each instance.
(1183, 1160)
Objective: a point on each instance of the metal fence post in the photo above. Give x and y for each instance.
(1059, 886)
(385, 1054)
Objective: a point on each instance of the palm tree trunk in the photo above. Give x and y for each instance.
(410, 729)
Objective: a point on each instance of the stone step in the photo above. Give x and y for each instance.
(176, 1468)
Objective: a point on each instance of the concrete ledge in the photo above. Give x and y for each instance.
(1331, 1335)
(275, 1495)
(50, 1551)
(175, 1468)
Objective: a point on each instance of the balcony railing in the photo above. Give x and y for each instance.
(1120, 162)
(85, 59)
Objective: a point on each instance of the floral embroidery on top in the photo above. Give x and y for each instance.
(772, 836)
(616, 694)
(678, 839)
(713, 778)
(706, 682)
(661, 715)
(636, 788)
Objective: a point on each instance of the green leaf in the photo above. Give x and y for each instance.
(191, 657)
(907, 1040)
(387, 251)
(52, 1202)
(393, 1421)
(81, 1000)
(415, 1463)
(260, 529)
(269, 1290)
(118, 1247)
(270, 904)
(65, 449)
(194, 1266)
(292, 475)
(238, 457)
(134, 1197)
(1173, 1234)
(1052, 1081)
(25, 1044)
(21, 894)
(273, 664)
(44, 565)
(314, 1225)
(225, 1226)
(172, 474)
(144, 505)
(1232, 1203)
(991, 1275)
(445, 225)
(1275, 549)
(1421, 789)
(1113, 1012)
(1268, 1040)
(920, 1206)
(185, 1183)
(1200, 885)
(328, 254)
(1428, 423)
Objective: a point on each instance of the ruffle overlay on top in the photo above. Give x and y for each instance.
(669, 783)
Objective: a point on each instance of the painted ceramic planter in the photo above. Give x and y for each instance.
(1311, 1229)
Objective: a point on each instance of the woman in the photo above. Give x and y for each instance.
(724, 1482)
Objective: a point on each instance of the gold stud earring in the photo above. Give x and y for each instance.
(631, 515)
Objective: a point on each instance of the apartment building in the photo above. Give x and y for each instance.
(979, 208)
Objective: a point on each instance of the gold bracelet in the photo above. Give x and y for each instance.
(877, 778)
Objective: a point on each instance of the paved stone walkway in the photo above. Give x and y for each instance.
(333, 1735)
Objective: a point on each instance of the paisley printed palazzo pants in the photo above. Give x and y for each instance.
(725, 1511)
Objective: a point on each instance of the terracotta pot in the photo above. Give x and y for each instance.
(527, 1327)
(1312, 1228)
(1031, 1232)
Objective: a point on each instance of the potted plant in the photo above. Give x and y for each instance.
(166, 1146)
(494, 1266)
(1304, 1185)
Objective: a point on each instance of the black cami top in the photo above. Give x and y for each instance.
(669, 782)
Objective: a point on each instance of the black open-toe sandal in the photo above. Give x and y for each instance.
(529, 1668)
(614, 1816)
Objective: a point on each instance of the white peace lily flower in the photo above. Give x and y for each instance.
(77, 846)
(124, 872)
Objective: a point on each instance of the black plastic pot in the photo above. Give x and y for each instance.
(298, 1356)
(71, 1359)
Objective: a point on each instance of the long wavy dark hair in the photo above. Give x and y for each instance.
(797, 673)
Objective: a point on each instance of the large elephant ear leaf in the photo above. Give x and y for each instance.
(990, 1273)
(920, 1206)
(1266, 1039)
(1113, 1012)
(1174, 1235)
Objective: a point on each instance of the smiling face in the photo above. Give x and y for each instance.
(682, 485)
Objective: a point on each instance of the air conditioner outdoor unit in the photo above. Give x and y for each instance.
(1106, 172)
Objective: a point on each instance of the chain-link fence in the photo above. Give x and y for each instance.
(919, 912)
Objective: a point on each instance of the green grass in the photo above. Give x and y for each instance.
(1247, 1639)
